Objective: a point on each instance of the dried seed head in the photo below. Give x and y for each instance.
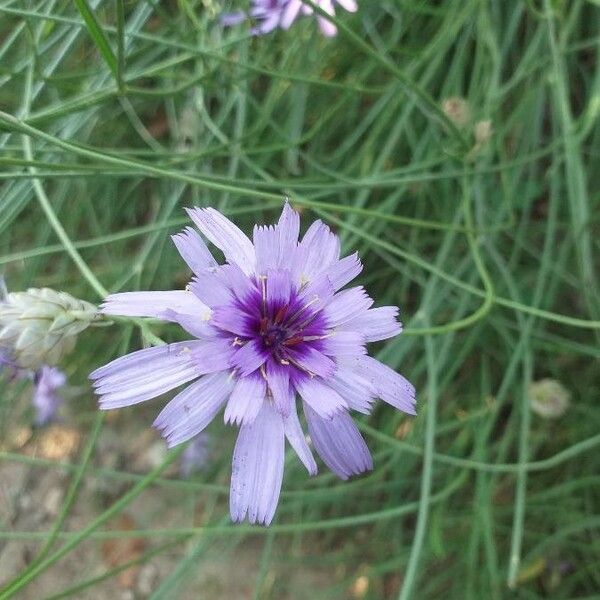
(457, 110)
(549, 398)
(483, 131)
(40, 326)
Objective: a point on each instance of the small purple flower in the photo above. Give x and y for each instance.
(45, 399)
(270, 14)
(195, 456)
(270, 324)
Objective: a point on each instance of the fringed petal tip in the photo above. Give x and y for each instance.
(257, 468)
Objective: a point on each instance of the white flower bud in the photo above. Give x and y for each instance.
(549, 398)
(39, 326)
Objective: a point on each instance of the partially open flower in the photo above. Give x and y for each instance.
(549, 398)
(39, 326)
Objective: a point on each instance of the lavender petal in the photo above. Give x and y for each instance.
(339, 443)
(144, 374)
(194, 408)
(347, 306)
(297, 439)
(377, 323)
(226, 236)
(344, 343)
(390, 386)
(325, 401)
(278, 380)
(318, 249)
(257, 470)
(213, 355)
(249, 357)
(246, 400)
(154, 304)
(193, 250)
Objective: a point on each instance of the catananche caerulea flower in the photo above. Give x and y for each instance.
(46, 400)
(270, 14)
(46, 381)
(272, 325)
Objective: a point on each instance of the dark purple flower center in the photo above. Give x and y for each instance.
(283, 322)
(285, 328)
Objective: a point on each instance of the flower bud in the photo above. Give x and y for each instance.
(39, 326)
(549, 398)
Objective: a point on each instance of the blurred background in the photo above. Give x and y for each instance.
(454, 145)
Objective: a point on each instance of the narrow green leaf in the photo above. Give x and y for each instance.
(98, 35)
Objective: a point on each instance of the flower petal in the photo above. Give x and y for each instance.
(246, 399)
(198, 327)
(212, 355)
(325, 401)
(377, 323)
(209, 288)
(144, 374)
(290, 12)
(288, 225)
(230, 318)
(354, 388)
(278, 287)
(278, 379)
(249, 357)
(194, 408)
(226, 236)
(297, 439)
(344, 343)
(339, 443)
(318, 249)
(193, 250)
(154, 304)
(349, 5)
(311, 360)
(257, 470)
(266, 242)
(346, 306)
(390, 386)
(318, 293)
(327, 27)
(232, 18)
(344, 271)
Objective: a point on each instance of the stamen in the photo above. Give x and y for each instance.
(299, 366)
(263, 290)
(301, 310)
(312, 338)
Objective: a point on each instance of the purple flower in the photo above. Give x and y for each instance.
(46, 382)
(270, 14)
(271, 324)
(195, 456)
(45, 399)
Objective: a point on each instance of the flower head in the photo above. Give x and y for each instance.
(549, 398)
(39, 326)
(272, 325)
(45, 398)
(270, 14)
